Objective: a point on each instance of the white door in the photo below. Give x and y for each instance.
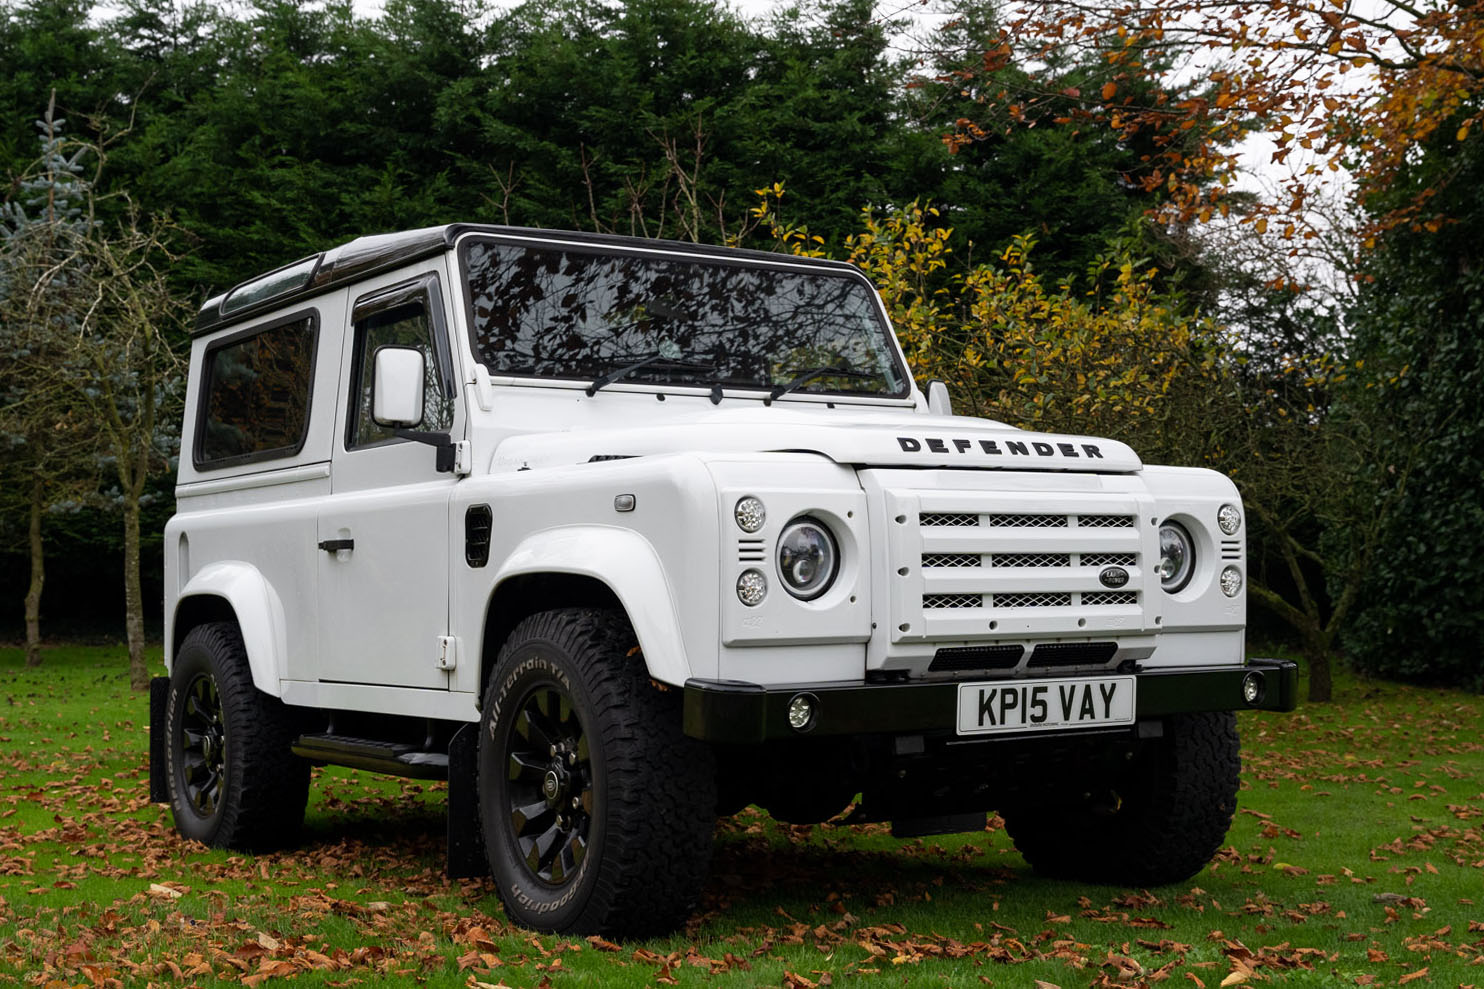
(383, 534)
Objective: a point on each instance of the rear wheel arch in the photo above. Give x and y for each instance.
(199, 609)
(235, 592)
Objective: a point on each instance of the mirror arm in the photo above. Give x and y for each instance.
(440, 441)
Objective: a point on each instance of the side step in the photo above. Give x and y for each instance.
(395, 758)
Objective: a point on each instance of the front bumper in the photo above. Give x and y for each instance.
(745, 713)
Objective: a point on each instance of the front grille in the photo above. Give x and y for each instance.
(1035, 600)
(1030, 560)
(930, 601)
(977, 558)
(1110, 559)
(955, 660)
(751, 551)
(1094, 599)
(939, 519)
(1105, 521)
(1073, 654)
(940, 561)
(1026, 521)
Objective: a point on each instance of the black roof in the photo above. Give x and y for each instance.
(380, 252)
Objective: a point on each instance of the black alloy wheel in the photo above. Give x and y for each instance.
(203, 745)
(550, 793)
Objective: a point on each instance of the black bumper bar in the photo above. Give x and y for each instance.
(744, 713)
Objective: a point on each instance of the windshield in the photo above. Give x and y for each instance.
(570, 312)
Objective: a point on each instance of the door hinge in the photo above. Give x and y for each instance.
(463, 458)
(448, 652)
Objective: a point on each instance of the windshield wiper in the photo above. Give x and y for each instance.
(809, 375)
(653, 360)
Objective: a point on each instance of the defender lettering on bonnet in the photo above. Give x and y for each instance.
(1012, 448)
(662, 564)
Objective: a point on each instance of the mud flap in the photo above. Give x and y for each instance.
(466, 856)
(159, 696)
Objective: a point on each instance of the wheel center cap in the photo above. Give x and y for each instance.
(551, 786)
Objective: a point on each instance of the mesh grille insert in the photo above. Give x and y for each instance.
(976, 658)
(1096, 598)
(1027, 521)
(1033, 600)
(1110, 559)
(1105, 521)
(937, 561)
(940, 519)
(1031, 560)
(930, 601)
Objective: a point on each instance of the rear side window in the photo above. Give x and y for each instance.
(255, 403)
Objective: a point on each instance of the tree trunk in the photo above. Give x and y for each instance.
(1316, 658)
(133, 595)
(38, 576)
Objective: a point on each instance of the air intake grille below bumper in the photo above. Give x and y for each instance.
(1073, 654)
(956, 660)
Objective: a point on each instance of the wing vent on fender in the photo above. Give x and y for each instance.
(478, 526)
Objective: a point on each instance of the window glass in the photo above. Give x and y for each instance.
(401, 324)
(256, 403)
(279, 282)
(573, 313)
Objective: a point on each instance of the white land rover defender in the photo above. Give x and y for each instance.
(617, 536)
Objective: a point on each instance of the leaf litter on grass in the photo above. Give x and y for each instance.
(1356, 859)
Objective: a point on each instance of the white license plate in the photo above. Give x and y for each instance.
(1044, 705)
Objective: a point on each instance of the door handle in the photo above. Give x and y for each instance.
(336, 545)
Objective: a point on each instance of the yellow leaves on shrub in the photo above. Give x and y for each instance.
(1113, 361)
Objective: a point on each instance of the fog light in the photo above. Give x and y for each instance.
(1231, 582)
(752, 587)
(750, 514)
(1229, 518)
(1252, 688)
(801, 712)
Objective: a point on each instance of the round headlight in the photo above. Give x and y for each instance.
(1229, 518)
(752, 587)
(750, 514)
(1231, 582)
(1176, 557)
(807, 558)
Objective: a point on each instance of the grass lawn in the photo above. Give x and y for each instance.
(1357, 857)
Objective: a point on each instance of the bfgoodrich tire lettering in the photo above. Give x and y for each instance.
(597, 810)
(233, 781)
(1159, 823)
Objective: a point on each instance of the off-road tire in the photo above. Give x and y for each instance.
(1161, 821)
(631, 809)
(233, 781)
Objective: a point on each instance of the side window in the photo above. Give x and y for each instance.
(407, 316)
(255, 401)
